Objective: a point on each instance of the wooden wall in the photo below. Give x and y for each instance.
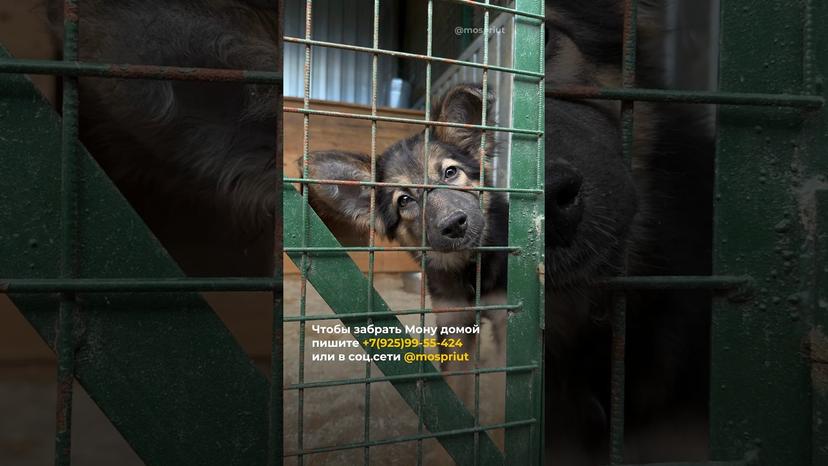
(350, 135)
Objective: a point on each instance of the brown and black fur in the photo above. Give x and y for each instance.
(451, 267)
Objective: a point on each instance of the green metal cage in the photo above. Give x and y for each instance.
(323, 262)
(768, 391)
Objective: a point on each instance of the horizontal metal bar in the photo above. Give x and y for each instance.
(697, 97)
(674, 282)
(411, 185)
(410, 377)
(695, 463)
(415, 56)
(413, 121)
(125, 71)
(503, 9)
(403, 312)
(512, 249)
(412, 438)
(123, 285)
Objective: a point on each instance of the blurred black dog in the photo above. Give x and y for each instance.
(607, 217)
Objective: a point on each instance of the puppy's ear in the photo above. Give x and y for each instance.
(343, 204)
(464, 104)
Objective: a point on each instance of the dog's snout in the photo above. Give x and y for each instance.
(563, 201)
(454, 226)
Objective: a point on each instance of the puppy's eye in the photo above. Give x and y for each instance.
(450, 173)
(404, 201)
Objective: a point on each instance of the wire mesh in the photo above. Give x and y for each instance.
(303, 254)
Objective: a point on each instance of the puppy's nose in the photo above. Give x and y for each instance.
(454, 226)
(563, 201)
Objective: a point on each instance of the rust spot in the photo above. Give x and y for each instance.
(64, 398)
(71, 11)
(819, 360)
(176, 73)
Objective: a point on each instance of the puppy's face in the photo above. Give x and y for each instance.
(451, 221)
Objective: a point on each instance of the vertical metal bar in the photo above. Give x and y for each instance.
(752, 414)
(818, 338)
(524, 392)
(69, 177)
(276, 421)
(371, 226)
(304, 265)
(619, 335)
(478, 268)
(808, 47)
(424, 255)
(619, 310)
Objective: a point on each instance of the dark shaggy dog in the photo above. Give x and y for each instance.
(196, 159)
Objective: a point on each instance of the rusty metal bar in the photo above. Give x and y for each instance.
(304, 264)
(411, 185)
(512, 249)
(411, 438)
(674, 282)
(415, 56)
(126, 71)
(413, 121)
(694, 97)
(423, 242)
(412, 377)
(619, 311)
(276, 419)
(69, 179)
(403, 312)
(129, 285)
(490, 7)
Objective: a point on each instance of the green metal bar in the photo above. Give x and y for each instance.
(819, 334)
(414, 56)
(69, 241)
(704, 463)
(694, 97)
(524, 391)
(150, 285)
(335, 278)
(369, 289)
(442, 435)
(413, 121)
(512, 249)
(815, 68)
(276, 438)
(618, 375)
(77, 69)
(760, 406)
(126, 285)
(492, 7)
(410, 377)
(423, 237)
(619, 308)
(675, 282)
(304, 262)
(360, 315)
(224, 422)
(483, 157)
(414, 186)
